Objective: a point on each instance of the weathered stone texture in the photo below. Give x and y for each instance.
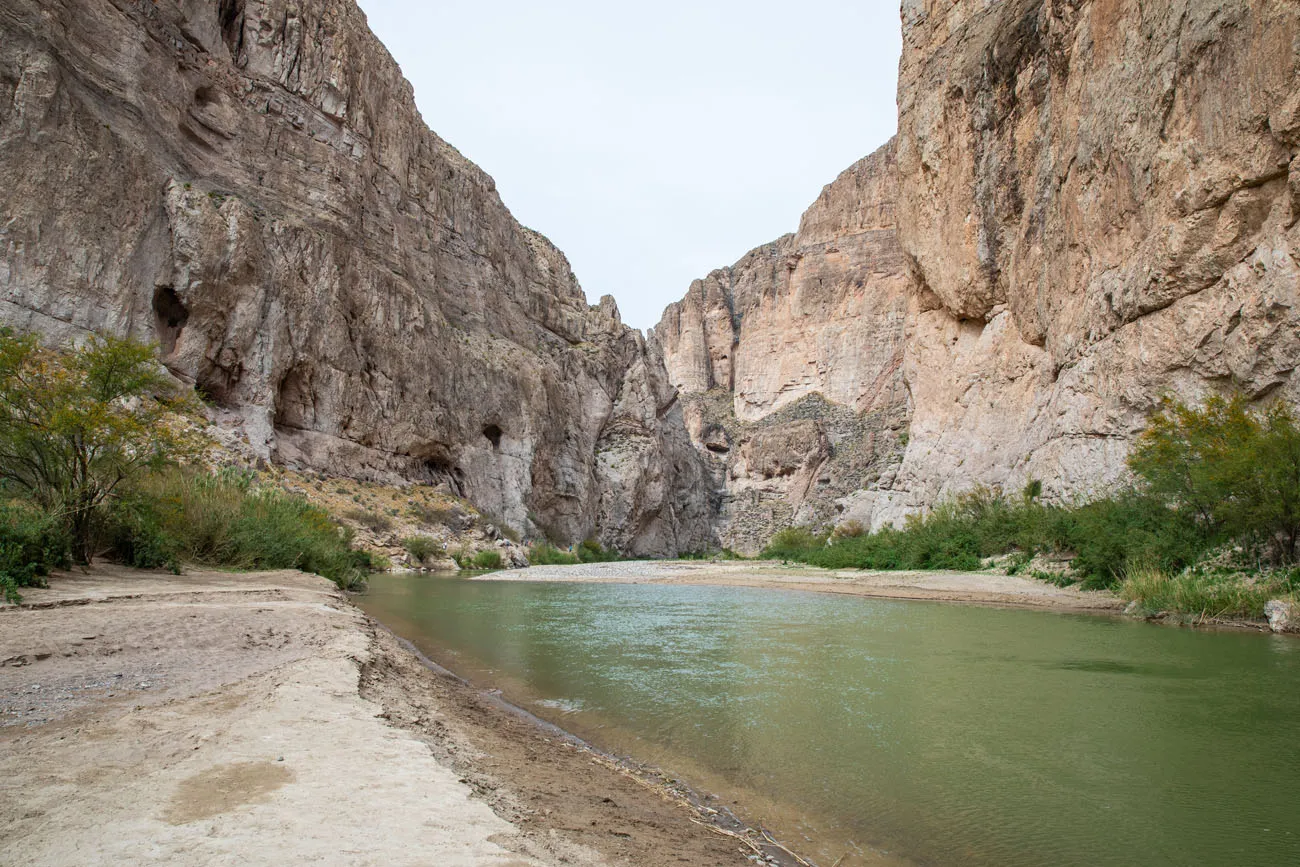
(1099, 198)
(1096, 205)
(820, 313)
(248, 183)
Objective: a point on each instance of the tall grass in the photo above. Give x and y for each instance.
(223, 520)
(424, 549)
(546, 554)
(1204, 595)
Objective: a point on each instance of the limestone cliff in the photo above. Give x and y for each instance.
(790, 361)
(1094, 203)
(1101, 198)
(249, 184)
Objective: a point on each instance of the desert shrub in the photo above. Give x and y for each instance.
(433, 516)
(546, 554)
(1108, 535)
(372, 521)
(793, 543)
(1204, 594)
(849, 530)
(591, 551)
(136, 537)
(1233, 470)
(424, 549)
(31, 544)
(77, 426)
(222, 520)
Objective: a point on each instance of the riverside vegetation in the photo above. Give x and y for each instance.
(1209, 526)
(101, 456)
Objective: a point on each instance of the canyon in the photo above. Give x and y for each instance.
(250, 186)
(1089, 205)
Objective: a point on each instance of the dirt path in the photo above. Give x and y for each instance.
(974, 587)
(262, 719)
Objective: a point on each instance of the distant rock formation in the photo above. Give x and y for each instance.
(1093, 204)
(249, 184)
(790, 361)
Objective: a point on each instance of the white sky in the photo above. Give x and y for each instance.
(654, 142)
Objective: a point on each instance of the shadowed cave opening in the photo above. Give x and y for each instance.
(170, 316)
(493, 433)
(440, 469)
(231, 16)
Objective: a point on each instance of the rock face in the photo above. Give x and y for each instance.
(1094, 203)
(1283, 615)
(249, 184)
(1101, 199)
(790, 361)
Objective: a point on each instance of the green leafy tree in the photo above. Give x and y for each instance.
(76, 426)
(1235, 470)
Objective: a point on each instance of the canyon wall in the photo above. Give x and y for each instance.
(248, 184)
(1101, 199)
(790, 361)
(1092, 205)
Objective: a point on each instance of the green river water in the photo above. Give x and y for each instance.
(902, 732)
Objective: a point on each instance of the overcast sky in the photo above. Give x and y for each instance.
(652, 142)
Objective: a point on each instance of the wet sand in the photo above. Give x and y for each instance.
(262, 719)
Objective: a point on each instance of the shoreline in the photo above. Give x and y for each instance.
(149, 718)
(973, 588)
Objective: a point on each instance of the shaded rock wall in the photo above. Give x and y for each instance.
(249, 183)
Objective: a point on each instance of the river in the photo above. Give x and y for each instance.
(902, 732)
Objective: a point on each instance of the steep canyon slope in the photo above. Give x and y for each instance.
(248, 183)
(790, 361)
(1094, 204)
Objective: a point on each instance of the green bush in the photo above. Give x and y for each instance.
(1232, 470)
(1204, 594)
(793, 543)
(546, 554)
(1107, 536)
(1103, 536)
(31, 544)
(1205, 477)
(76, 425)
(486, 560)
(222, 520)
(424, 549)
(591, 551)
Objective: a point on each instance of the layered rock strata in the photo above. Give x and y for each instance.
(249, 184)
(1101, 201)
(790, 361)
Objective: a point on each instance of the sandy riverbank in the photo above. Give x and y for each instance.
(262, 719)
(984, 588)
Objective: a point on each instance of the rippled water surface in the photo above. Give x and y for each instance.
(902, 732)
